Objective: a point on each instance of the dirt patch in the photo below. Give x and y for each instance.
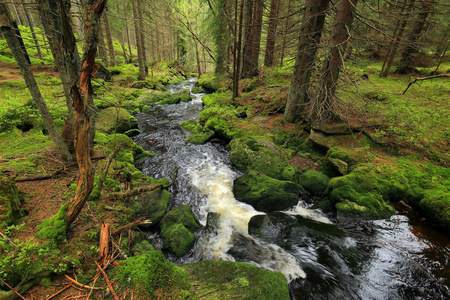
(10, 71)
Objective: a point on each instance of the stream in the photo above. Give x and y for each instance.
(383, 259)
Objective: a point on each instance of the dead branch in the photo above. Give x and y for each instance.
(80, 284)
(9, 240)
(425, 78)
(59, 292)
(105, 170)
(104, 243)
(129, 226)
(107, 281)
(12, 289)
(135, 191)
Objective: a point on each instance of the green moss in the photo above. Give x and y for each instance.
(289, 173)
(217, 99)
(314, 181)
(209, 83)
(55, 227)
(114, 119)
(150, 276)
(267, 158)
(10, 202)
(199, 136)
(266, 194)
(236, 280)
(152, 204)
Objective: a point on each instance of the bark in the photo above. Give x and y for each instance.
(406, 64)
(128, 35)
(322, 107)
(112, 56)
(104, 243)
(81, 95)
(14, 45)
(140, 14)
(141, 58)
(312, 28)
(271, 34)
(102, 54)
(247, 49)
(252, 38)
(401, 24)
(237, 50)
(286, 25)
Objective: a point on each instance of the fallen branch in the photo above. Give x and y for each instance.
(59, 292)
(44, 177)
(425, 78)
(135, 191)
(80, 284)
(9, 240)
(12, 289)
(130, 225)
(104, 243)
(107, 281)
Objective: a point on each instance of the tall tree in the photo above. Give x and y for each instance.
(33, 33)
(13, 43)
(112, 57)
(406, 63)
(102, 53)
(322, 106)
(140, 48)
(252, 37)
(312, 28)
(271, 34)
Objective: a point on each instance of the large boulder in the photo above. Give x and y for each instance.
(236, 280)
(200, 135)
(10, 202)
(115, 119)
(266, 194)
(259, 155)
(151, 204)
(177, 230)
(314, 181)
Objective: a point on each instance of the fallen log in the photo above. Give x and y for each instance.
(129, 226)
(104, 243)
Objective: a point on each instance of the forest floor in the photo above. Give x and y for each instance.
(415, 126)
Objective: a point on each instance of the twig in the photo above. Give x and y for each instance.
(93, 284)
(65, 288)
(9, 240)
(12, 289)
(425, 78)
(107, 281)
(80, 284)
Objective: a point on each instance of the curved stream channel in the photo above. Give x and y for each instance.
(382, 259)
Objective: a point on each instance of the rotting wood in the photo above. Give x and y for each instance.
(130, 225)
(425, 78)
(107, 281)
(104, 243)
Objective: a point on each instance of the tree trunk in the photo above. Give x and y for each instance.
(31, 25)
(271, 34)
(401, 24)
(237, 49)
(312, 28)
(128, 35)
(94, 9)
(112, 57)
(286, 25)
(141, 58)
(256, 39)
(14, 45)
(247, 50)
(140, 15)
(102, 53)
(252, 37)
(406, 64)
(322, 107)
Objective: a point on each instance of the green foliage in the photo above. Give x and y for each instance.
(54, 229)
(150, 276)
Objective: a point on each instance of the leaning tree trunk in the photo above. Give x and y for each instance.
(322, 107)
(140, 49)
(271, 34)
(313, 23)
(13, 43)
(406, 63)
(94, 9)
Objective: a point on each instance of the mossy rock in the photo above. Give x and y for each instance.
(177, 230)
(217, 99)
(152, 204)
(152, 96)
(151, 276)
(114, 119)
(223, 121)
(174, 98)
(10, 202)
(208, 83)
(271, 226)
(259, 155)
(235, 280)
(314, 181)
(129, 151)
(199, 136)
(364, 192)
(266, 194)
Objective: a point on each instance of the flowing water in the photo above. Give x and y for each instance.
(383, 259)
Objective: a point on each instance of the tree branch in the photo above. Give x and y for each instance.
(425, 78)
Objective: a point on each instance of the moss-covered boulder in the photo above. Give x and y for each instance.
(115, 119)
(259, 155)
(364, 192)
(177, 230)
(152, 96)
(10, 202)
(151, 276)
(199, 135)
(151, 204)
(314, 181)
(129, 151)
(235, 280)
(266, 194)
